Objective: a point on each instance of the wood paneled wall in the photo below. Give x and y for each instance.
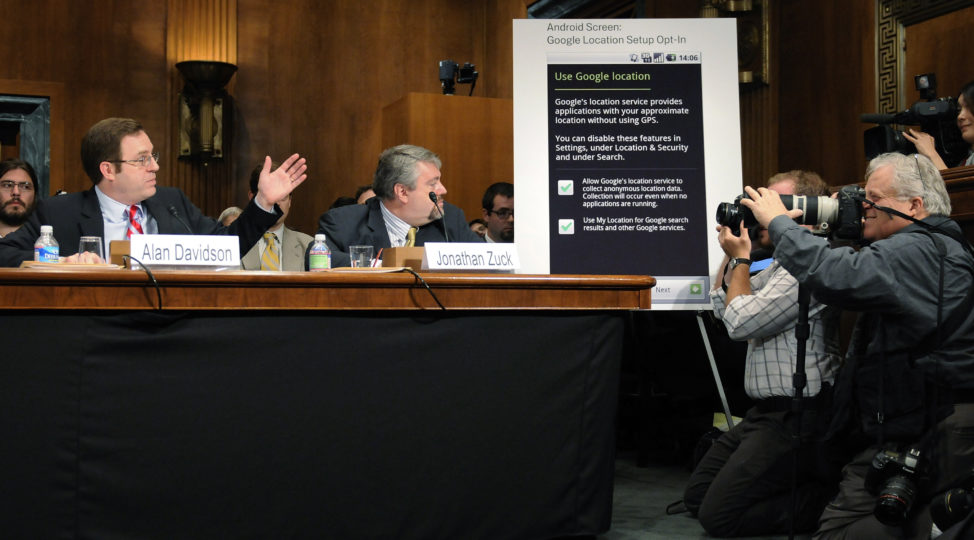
(935, 46)
(827, 68)
(314, 77)
(110, 58)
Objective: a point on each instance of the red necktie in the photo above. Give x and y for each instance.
(134, 226)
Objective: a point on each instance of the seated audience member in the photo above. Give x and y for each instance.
(478, 226)
(927, 146)
(118, 157)
(229, 215)
(742, 486)
(364, 193)
(280, 248)
(406, 182)
(907, 383)
(18, 194)
(342, 201)
(498, 209)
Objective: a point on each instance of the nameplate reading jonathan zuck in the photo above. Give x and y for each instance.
(470, 256)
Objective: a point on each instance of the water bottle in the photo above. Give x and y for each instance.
(46, 248)
(319, 257)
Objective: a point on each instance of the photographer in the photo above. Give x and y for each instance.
(925, 142)
(908, 380)
(741, 487)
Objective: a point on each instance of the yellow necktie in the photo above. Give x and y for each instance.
(411, 237)
(271, 259)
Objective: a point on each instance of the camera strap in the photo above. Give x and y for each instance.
(945, 328)
(908, 399)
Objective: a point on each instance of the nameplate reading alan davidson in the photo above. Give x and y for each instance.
(186, 250)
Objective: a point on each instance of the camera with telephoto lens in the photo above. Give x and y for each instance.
(936, 116)
(840, 217)
(893, 478)
(952, 506)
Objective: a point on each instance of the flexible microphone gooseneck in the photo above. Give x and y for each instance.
(175, 214)
(442, 215)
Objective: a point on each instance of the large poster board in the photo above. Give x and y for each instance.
(626, 138)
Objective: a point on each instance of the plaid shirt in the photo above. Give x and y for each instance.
(766, 318)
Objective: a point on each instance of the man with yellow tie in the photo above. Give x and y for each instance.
(280, 248)
(408, 209)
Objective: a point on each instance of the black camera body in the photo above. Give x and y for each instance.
(936, 116)
(452, 74)
(839, 218)
(893, 477)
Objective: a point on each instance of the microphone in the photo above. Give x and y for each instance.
(175, 214)
(877, 118)
(442, 215)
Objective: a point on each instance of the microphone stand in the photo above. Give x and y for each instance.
(436, 204)
(175, 214)
(799, 381)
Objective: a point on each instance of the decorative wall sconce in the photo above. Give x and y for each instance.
(205, 109)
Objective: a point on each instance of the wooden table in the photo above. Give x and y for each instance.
(335, 290)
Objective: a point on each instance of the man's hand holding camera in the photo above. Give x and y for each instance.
(766, 205)
(737, 280)
(734, 246)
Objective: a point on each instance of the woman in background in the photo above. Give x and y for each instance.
(965, 121)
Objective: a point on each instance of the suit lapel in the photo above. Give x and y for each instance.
(377, 226)
(164, 222)
(430, 232)
(288, 247)
(251, 259)
(92, 223)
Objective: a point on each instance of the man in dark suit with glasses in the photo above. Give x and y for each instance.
(118, 156)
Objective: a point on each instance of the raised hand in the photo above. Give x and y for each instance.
(277, 185)
(926, 146)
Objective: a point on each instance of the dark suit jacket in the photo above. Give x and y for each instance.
(362, 224)
(78, 214)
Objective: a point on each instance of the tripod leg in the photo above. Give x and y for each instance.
(713, 368)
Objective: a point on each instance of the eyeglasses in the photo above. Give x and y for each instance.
(9, 185)
(141, 161)
(503, 213)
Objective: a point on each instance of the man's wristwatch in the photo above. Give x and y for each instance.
(736, 261)
(731, 264)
